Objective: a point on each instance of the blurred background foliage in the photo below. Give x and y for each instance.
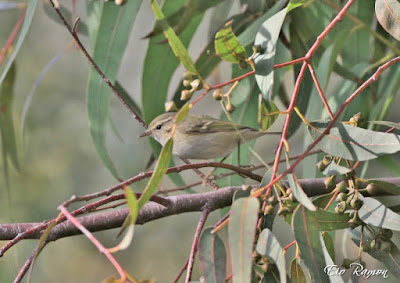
(58, 159)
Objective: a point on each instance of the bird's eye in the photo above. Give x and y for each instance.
(158, 127)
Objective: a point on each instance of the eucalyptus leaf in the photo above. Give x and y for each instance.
(267, 113)
(241, 232)
(299, 194)
(307, 236)
(228, 46)
(375, 213)
(268, 246)
(296, 273)
(354, 143)
(266, 39)
(212, 256)
(161, 168)
(113, 26)
(388, 14)
(335, 169)
(389, 257)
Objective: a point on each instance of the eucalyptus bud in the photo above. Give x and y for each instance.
(217, 94)
(170, 106)
(186, 94)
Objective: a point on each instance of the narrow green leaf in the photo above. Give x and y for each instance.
(158, 174)
(329, 245)
(268, 246)
(115, 24)
(309, 243)
(375, 213)
(265, 117)
(181, 19)
(182, 113)
(228, 46)
(266, 38)
(241, 231)
(21, 37)
(299, 194)
(212, 256)
(295, 3)
(7, 131)
(296, 273)
(388, 14)
(129, 222)
(354, 143)
(336, 169)
(173, 40)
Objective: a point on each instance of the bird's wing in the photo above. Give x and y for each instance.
(211, 125)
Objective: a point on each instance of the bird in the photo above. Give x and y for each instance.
(199, 136)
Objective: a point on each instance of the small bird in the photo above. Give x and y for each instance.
(200, 136)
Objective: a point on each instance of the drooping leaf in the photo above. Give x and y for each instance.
(174, 42)
(268, 246)
(308, 240)
(388, 14)
(114, 26)
(241, 231)
(329, 244)
(158, 174)
(129, 222)
(299, 194)
(30, 10)
(354, 143)
(227, 46)
(7, 131)
(266, 38)
(267, 113)
(296, 273)
(181, 19)
(212, 256)
(330, 262)
(375, 213)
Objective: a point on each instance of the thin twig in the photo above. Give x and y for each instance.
(193, 250)
(94, 240)
(94, 65)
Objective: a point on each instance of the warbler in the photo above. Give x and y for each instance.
(200, 136)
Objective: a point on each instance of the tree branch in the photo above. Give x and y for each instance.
(151, 211)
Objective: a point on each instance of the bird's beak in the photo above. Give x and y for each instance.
(145, 134)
